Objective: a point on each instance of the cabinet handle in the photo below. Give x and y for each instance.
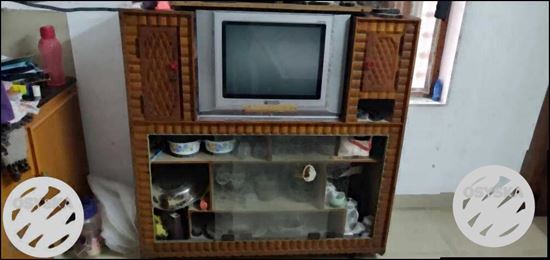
(173, 65)
(369, 65)
(173, 71)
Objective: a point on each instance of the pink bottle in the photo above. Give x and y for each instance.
(50, 53)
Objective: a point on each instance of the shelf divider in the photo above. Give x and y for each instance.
(203, 157)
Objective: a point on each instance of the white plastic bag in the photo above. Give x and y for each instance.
(118, 214)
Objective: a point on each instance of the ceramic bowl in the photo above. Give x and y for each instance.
(220, 146)
(182, 146)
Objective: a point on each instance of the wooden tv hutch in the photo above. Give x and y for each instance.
(380, 60)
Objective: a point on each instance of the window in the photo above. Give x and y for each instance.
(430, 28)
(436, 47)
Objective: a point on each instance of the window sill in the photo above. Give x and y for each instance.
(423, 101)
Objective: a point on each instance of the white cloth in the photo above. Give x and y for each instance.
(118, 215)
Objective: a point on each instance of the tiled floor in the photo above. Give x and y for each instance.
(429, 231)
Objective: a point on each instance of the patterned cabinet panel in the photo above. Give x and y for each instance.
(159, 57)
(381, 59)
(381, 64)
(159, 66)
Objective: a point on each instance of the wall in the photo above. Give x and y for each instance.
(96, 49)
(498, 85)
(499, 80)
(21, 38)
(97, 53)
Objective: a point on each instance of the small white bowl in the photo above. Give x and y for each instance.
(220, 147)
(184, 148)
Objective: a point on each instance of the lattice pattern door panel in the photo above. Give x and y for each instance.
(381, 61)
(159, 57)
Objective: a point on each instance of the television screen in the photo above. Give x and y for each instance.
(272, 60)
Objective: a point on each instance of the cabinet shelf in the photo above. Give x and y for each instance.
(271, 225)
(203, 157)
(275, 205)
(200, 157)
(327, 209)
(373, 122)
(320, 158)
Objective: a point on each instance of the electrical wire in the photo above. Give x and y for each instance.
(68, 10)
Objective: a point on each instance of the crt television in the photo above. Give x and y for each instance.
(275, 66)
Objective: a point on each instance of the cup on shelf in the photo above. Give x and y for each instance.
(266, 186)
(238, 179)
(209, 230)
(244, 150)
(260, 230)
(290, 226)
(337, 199)
(223, 176)
(259, 150)
(300, 190)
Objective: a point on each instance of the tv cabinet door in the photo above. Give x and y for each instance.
(159, 57)
(381, 61)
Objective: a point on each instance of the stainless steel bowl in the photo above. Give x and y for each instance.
(173, 198)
